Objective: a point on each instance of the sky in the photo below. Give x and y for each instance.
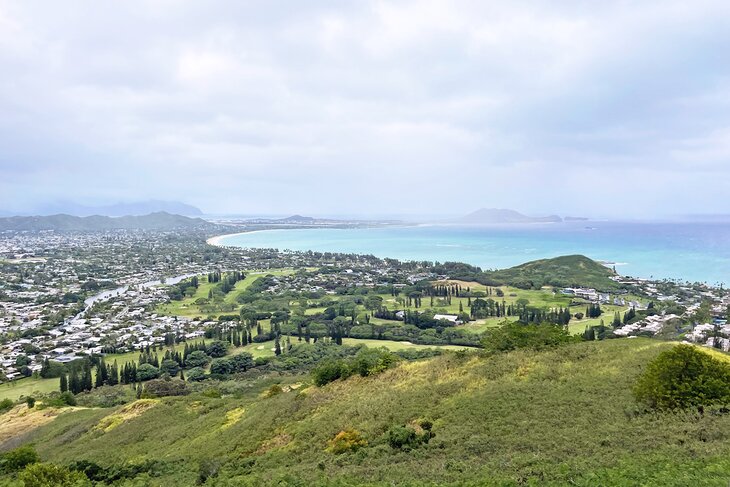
(367, 108)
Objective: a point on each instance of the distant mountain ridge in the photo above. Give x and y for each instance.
(500, 215)
(298, 219)
(154, 221)
(134, 208)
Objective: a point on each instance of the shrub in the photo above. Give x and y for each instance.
(105, 397)
(274, 390)
(162, 388)
(684, 377)
(513, 336)
(196, 374)
(410, 436)
(6, 405)
(345, 441)
(50, 475)
(30, 401)
(17, 459)
(330, 370)
(367, 362)
(373, 361)
(212, 392)
(401, 437)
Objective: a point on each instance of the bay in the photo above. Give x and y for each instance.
(684, 251)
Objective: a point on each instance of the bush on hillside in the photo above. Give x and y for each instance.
(330, 370)
(105, 397)
(50, 475)
(683, 377)
(59, 399)
(346, 441)
(367, 362)
(6, 405)
(17, 459)
(164, 388)
(410, 436)
(373, 361)
(196, 374)
(514, 336)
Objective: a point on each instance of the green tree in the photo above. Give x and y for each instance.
(147, 372)
(682, 377)
(197, 358)
(241, 362)
(169, 367)
(217, 348)
(221, 366)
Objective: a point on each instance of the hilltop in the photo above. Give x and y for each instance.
(563, 271)
(154, 221)
(558, 417)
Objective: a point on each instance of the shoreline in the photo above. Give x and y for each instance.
(216, 241)
(625, 267)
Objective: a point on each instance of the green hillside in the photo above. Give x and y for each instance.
(561, 417)
(565, 271)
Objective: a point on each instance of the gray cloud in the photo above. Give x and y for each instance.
(359, 107)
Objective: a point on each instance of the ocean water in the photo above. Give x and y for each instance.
(686, 251)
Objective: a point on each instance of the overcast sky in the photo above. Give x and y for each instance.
(599, 108)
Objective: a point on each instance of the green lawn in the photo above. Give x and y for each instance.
(27, 387)
(394, 346)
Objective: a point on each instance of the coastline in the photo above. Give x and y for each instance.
(645, 256)
(216, 241)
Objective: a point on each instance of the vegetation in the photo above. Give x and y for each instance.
(513, 336)
(564, 271)
(555, 416)
(683, 377)
(366, 362)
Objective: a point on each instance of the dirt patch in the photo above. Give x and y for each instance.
(20, 420)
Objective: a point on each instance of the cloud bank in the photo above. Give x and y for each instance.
(367, 107)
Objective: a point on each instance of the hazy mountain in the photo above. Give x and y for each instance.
(118, 209)
(153, 221)
(298, 219)
(496, 215)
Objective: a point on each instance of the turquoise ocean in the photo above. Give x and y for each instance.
(684, 251)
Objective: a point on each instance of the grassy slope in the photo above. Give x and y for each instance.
(33, 386)
(523, 418)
